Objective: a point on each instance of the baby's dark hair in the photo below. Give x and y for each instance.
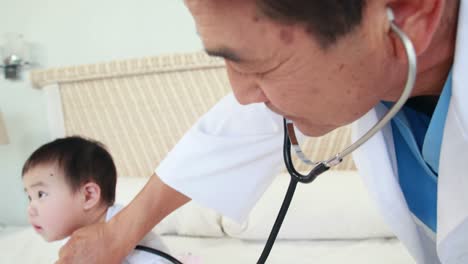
(82, 161)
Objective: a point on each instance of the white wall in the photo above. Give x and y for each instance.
(66, 32)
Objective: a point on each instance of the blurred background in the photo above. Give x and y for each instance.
(61, 33)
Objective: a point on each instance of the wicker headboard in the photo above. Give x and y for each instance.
(140, 108)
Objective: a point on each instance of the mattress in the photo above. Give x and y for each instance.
(22, 245)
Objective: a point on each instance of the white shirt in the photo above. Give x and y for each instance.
(150, 240)
(228, 158)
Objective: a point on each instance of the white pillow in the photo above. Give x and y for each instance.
(189, 220)
(334, 206)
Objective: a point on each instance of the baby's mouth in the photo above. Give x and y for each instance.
(37, 228)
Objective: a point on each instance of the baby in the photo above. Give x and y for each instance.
(70, 183)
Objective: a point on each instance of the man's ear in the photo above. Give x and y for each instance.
(419, 20)
(91, 193)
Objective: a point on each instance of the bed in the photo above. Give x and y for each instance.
(139, 108)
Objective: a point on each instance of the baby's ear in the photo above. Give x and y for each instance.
(92, 195)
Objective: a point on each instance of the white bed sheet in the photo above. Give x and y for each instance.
(22, 245)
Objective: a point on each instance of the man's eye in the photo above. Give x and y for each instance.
(41, 194)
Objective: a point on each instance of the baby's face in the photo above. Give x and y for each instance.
(54, 210)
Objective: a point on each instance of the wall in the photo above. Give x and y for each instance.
(65, 32)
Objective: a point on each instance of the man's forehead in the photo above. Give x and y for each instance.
(239, 34)
(228, 39)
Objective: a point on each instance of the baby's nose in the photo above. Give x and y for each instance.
(32, 211)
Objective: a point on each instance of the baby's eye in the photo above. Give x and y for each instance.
(41, 194)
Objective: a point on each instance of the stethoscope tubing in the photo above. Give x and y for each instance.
(157, 252)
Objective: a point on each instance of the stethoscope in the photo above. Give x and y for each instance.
(290, 140)
(159, 253)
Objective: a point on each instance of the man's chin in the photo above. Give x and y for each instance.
(307, 128)
(313, 130)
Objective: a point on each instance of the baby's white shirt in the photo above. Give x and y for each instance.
(150, 240)
(137, 256)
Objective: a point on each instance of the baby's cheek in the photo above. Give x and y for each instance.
(55, 216)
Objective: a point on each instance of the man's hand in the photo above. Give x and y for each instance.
(91, 244)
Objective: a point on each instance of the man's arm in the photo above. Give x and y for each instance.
(150, 206)
(111, 242)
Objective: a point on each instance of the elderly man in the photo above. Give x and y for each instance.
(324, 64)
